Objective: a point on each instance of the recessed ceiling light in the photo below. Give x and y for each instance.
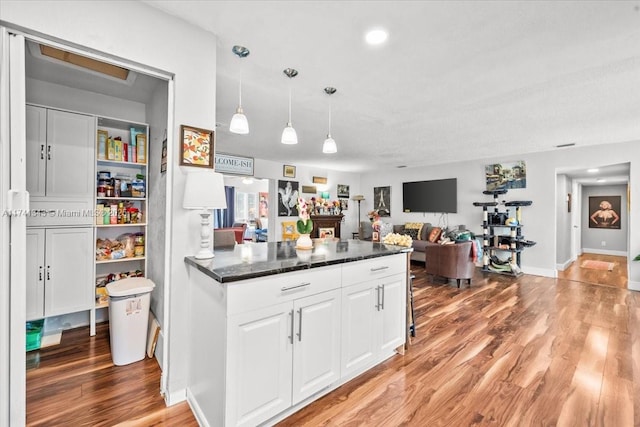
(601, 180)
(593, 170)
(376, 36)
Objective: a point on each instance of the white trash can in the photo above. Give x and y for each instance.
(128, 318)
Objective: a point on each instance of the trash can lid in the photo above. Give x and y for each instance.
(130, 286)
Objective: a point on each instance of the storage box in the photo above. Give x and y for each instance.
(34, 334)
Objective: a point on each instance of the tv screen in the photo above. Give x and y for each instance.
(438, 196)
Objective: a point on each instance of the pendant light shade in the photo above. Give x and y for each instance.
(289, 135)
(239, 123)
(329, 146)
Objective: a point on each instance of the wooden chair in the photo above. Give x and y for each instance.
(289, 230)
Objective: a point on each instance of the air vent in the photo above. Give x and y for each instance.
(566, 145)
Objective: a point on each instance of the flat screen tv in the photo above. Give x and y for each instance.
(438, 196)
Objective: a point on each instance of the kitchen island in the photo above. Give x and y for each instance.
(273, 328)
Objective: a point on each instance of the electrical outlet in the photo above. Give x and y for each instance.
(603, 243)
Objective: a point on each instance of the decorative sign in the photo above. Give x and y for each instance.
(319, 180)
(237, 165)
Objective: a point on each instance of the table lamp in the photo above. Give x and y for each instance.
(204, 190)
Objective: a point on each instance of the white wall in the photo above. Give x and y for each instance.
(615, 241)
(304, 176)
(538, 219)
(152, 38)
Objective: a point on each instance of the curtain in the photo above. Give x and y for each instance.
(226, 217)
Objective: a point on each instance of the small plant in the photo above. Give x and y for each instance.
(304, 225)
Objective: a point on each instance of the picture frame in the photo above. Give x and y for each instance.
(287, 198)
(605, 212)
(197, 147)
(309, 189)
(326, 232)
(163, 158)
(343, 191)
(289, 171)
(382, 200)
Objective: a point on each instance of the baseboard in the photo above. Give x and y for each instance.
(175, 397)
(633, 286)
(195, 408)
(565, 265)
(535, 271)
(603, 252)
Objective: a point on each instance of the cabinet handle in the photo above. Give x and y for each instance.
(41, 151)
(378, 298)
(288, 288)
(48, 152)
(48, 276)
(40, 273)
(382, 288)
(379, 268)
(300, 325)
(292, 331)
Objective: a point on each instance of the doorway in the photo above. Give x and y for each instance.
(586, 251)
(50, 82)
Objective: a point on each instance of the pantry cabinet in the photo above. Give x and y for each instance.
(59, 153)
(59, 269)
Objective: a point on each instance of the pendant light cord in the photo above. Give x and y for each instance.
(289, 103)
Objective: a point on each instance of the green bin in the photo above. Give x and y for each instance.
(34, 334)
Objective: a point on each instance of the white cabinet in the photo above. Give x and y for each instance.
(60, 147)
(280, 355)
(259, 365)
(59, 271)
(373, 312)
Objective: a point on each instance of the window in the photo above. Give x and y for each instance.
(246, 206)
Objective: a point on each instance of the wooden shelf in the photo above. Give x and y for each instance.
(122, 198)
(118, 163)
(111, 261)
(137, 224)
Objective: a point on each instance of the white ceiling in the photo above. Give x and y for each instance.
(455, 80)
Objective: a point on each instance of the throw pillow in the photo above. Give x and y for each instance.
(413, 226)
(434, 235)
(412, 232)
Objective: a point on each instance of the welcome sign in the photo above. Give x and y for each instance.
(237, 165)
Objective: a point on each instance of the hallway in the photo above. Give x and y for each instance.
(616, 278)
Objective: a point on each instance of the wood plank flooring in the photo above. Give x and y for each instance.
(617, 277)
(503, 352)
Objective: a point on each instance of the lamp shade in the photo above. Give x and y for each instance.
(204, 190)
(289, 135)
(239, 123)
(329, 145)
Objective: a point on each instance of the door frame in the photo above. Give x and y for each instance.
(12, 309)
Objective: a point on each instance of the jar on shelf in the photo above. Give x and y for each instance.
(138, 244)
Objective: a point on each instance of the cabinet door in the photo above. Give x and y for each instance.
(259, 359)
(393, 312)
(35, 150)
(359, 316)
(70, 154)
(316, 349)
(69, 258)
(35, 273)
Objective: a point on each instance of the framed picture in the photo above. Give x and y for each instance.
(343, 191)
(289, 171)
(197, 147)
(263, 210)
(506, 176)
(604, 212)
(382, 200)
(163, 159)
(344, 204)
(309, 189)
(326, 232)
(287, 198)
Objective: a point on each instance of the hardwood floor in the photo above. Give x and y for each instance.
(503, 352)
(617, 277)
(76, 384)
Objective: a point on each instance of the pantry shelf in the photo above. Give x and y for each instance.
(111, 261)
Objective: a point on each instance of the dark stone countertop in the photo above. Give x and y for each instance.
(251, 260)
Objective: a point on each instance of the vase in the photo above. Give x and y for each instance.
(304, 242)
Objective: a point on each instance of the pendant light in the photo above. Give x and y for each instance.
(289, 135)
(239, 123)
(329, 146)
